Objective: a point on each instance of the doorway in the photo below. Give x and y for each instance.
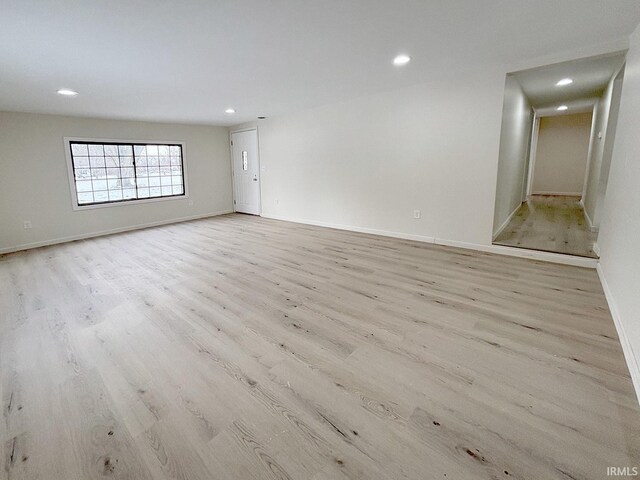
(246, 172)
(553, 161)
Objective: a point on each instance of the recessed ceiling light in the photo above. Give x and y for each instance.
(564, 82)
(67, 93)
(562, 108)
(401, 60)
(229, 110)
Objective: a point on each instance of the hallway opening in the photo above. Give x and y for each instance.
(555, 150)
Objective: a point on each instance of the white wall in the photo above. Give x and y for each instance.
(515, 139)
(561, 154)
(34, 183)
(620, 227)
(369, 162)
(605, 121)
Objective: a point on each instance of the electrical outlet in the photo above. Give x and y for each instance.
(27, 224)
(416, 214)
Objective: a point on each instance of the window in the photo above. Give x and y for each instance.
(105, 172)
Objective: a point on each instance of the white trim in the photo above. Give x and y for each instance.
(596, 249)
(82, 236)
(497, 249)
(351, 228)
(627, 349)
(72, 184)
(601, 50)
(550, 257)
(243, 127)
(592, 140)
(533, 151)
(506, 222)
(590, 224)
(564, 194)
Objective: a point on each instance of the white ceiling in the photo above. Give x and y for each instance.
(188, 60)
(590, 77)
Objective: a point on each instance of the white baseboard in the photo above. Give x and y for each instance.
(523, 253)
(629, 355)
(563, 194)
(350, 228)
(506, 222)
(497, 249)
(590, 224)
(82, 236)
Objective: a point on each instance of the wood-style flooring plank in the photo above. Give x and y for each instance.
(238, 347)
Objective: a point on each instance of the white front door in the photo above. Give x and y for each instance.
(246, 172)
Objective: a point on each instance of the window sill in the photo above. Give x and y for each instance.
(174, 198)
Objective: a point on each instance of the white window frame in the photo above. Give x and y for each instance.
(72, 179)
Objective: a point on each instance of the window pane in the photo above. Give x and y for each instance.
(85, 197)
(82, 173)
(81, 162)
(99, 184)
(79, 150)
(111, 150)
(83, 186)
(127, 172)
(101, 196)
(96, 150)
(129, 183)
(115, 194)
(98, 173)
(129, 193)
(96, 162)
(143, 181)
(125, 150)
(152, 150)
(112, 172)
(112, 161)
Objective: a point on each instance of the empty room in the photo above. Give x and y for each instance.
(318, 240)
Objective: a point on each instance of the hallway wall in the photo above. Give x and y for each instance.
(561, 157)
(620, 229)
(515, 139)
(606, 116)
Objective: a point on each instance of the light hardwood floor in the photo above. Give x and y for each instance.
(551, 223)
(243, 348)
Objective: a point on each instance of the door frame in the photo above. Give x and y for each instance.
(533, 150)
(233, 172)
